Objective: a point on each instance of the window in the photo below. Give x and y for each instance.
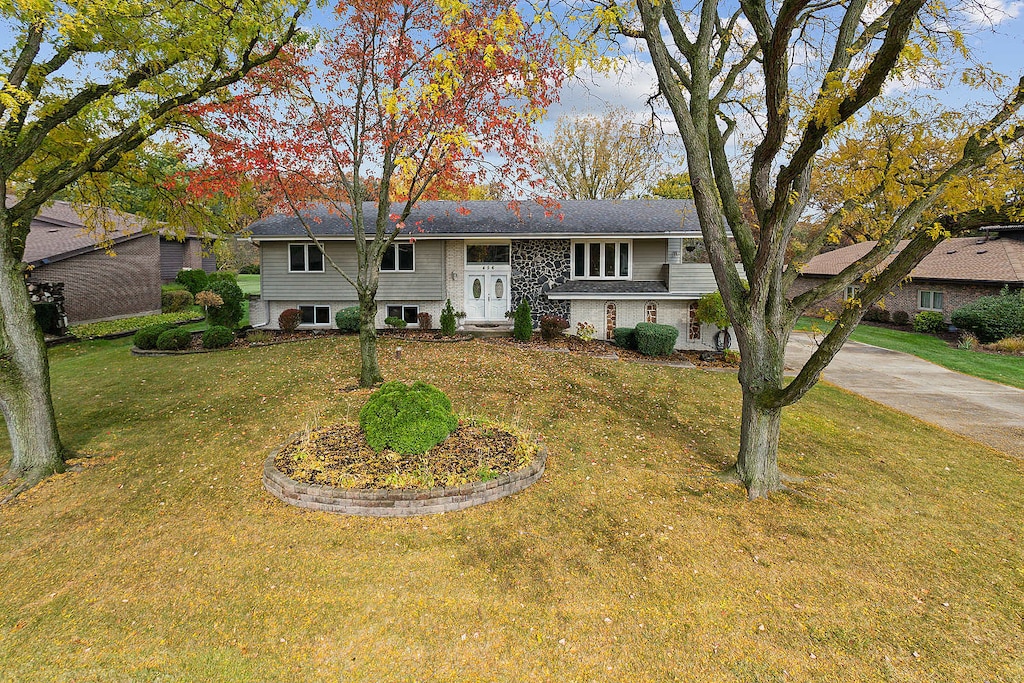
(651, 312)
(305, 258)
(609, 320)
(399, 258)
(315, 315)
(407, 313)
(852, 292)
(488, 253)
(693, 331)
(600, 260)
(930, 301)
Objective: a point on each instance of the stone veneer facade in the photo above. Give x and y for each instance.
(538, 266)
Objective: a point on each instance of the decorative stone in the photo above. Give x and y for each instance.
(537, 267)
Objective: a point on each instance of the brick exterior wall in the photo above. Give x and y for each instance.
(906, 297)
(629, 312)
(99, 286)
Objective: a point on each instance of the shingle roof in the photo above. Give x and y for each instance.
(610, 287)
(496, 218)
(59, 231)
(977, 259)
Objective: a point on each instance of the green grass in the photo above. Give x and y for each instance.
(250, 284)
(164, 559)
(130, 324)
(997, 368)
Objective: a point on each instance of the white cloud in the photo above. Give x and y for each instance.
(990, 13)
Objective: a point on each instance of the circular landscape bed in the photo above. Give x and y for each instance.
(334, 469)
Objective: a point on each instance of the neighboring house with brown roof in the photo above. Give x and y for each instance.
(957, 272)
(112, 271)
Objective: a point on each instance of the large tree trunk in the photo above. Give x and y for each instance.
(369, 373)
(760, 376)
(25, 382)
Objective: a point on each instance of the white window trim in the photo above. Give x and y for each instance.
(852, 292)
(394, 245)
(586, 275)
(931, 298)
(403, 307)
(314, 307)
(307, 245)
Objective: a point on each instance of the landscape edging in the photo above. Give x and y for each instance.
(398, 502)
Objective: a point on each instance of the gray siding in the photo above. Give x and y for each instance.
(426, 283)
(649, 259)
(691, 277)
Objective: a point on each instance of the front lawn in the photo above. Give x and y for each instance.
(249, 284)
(164, 559)
(997, 368)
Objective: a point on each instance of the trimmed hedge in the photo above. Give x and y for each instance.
(347, 319)
(174, 339)
(929, 322)
(552, 327)
(522, 327)
(407, 419)
(653, 339)
(175, 300)
(229, 314)
(900, 317)
(877, 315)
(217, 337)
(625, 337)
(146, 337)
(395, 322)
(195, 280)
(992, 318)
(290, 319)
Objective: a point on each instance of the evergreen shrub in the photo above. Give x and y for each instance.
(653, 339)
(347, 319)
(407, 419)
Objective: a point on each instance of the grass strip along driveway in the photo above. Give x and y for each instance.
(991, 366)
(163, 559)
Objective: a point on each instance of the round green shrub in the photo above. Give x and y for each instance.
(194, 279)
(992, 318)
(929, 322)
(625, 337)
(900, 317)
(173, 339)
(176, 300)
(229, 314)
(407, 419)
(347, 319)
(146, 337)
(217, 337)
(394, 321)
(653, 339)
(290, 319)
(522, 326)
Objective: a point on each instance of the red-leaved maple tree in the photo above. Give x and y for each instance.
(398, 99)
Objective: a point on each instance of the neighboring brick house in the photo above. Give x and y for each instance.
(97, 284)
(957, 272)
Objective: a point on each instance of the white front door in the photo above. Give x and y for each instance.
(487, 295)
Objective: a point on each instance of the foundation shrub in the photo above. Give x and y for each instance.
(175, 300)
(901, 318)
(217, 337)
(653, 339)
(992, 318)
(522, 326)
(552, 327)
(290, 319)
(347, 319)
(625, 337)
(424, 321)
(448, 321)
(929, 322)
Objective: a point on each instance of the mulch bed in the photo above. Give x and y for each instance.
(339, 456)
(599, 348)
(423, 336)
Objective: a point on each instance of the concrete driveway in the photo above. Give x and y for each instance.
(978, 409)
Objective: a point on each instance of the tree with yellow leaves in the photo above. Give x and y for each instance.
(799, 80)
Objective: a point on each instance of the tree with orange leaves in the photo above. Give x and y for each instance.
(398, 98)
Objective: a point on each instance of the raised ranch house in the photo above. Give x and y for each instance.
(609, 263)
(957, 272)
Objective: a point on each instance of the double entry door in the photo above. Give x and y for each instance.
(487, 293)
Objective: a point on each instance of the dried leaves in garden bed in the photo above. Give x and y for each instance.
(604, 349)
(339, 456)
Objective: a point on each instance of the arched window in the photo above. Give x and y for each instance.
(609, 320)
(651, 312)
(693, 334)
